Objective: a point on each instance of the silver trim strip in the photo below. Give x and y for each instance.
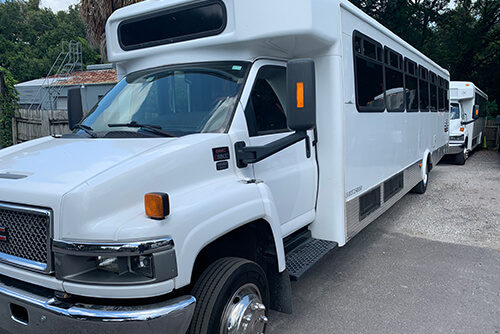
(411, 176)
(112, 249)
(24, 263)
(25, 208)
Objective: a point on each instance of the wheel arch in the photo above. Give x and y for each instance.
(254, 241)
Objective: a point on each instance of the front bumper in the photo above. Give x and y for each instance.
(456, 148)
(25, 308)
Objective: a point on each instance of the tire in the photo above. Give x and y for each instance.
(230, 298)
(421, 187)
(461, 157)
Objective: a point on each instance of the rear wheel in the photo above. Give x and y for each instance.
(230, 298)
(421, 187)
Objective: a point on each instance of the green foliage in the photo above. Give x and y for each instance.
(30, 37)
(492, 109)
(8, 105)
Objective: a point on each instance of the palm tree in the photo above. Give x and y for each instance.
(95, 13)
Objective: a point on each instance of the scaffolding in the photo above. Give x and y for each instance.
(68, 65)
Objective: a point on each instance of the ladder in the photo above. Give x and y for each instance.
(68, 65)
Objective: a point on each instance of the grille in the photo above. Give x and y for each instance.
(25, 235)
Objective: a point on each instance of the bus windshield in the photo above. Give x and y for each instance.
(454, 111)
(173, 101)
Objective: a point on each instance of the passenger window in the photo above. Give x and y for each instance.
(411, 79)
(265, 111)
(423, 87)
(369, 72)
(394, 88)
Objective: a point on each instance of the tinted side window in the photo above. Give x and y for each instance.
(369, 74)
(174, 25)
(433, 91)
(442, 94)
(411, 81)
(423, 87)
(394, 90)
(265, 110)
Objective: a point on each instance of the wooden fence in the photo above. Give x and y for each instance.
(31, 124)
(492, 134)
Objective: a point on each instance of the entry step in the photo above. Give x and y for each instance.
(306, 254)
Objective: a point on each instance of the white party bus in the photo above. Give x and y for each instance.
(244, 141)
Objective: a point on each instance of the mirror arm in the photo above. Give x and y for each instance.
(468, 122)
(251, 154)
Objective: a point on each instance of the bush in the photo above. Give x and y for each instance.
(8, 104)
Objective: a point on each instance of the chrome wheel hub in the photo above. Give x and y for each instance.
(245, 312)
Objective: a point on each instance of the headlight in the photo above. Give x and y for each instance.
(457, 138)
(115, 263)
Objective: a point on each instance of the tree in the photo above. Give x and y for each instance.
(414, 20)
(95, 13)
(30, 37)
(475, 56)
(8, 98)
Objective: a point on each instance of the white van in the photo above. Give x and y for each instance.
(245, 141)
(467, 119)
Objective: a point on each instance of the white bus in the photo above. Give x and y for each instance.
(467, 119)
(245, 141)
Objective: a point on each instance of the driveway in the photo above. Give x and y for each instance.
(431, 264)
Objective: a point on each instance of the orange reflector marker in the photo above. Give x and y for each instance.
(420, 165)
(462, 129)
(156, 205)
(300, 95)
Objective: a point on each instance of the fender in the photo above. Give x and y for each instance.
(426, 160)
(243, 204)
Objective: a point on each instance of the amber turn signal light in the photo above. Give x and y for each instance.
(157, 205)
(300, 95)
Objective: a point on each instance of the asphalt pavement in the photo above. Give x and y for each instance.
(431, 264)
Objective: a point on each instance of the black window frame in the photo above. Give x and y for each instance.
(388, 57)
(433, 91)
(442, 93)
(171, 40)
(412, 64)
(423, 77)
(250, 112)
(378, 61)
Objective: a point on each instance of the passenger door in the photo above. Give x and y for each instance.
(291, 173)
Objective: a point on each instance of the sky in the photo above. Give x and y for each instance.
(57, 5)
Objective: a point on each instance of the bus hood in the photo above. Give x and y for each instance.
(96, 187)
(39, 172)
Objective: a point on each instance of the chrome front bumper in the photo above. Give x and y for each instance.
(34, 309)
(455, 148)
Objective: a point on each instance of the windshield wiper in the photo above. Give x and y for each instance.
(153, 128)
(87, 129)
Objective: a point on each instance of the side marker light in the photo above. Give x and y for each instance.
(157, 205)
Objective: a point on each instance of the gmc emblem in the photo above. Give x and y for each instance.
(3, 233)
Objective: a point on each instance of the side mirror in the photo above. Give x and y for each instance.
(475, 111)
(301, 95)
(75, 109)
